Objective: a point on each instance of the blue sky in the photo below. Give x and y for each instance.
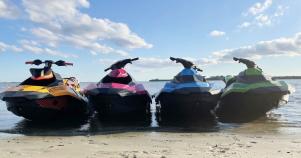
(94, 33)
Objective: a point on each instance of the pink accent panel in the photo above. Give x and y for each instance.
(89, 87)
(119, 73)
(139, 89)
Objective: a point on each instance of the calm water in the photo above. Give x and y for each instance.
(284, 120)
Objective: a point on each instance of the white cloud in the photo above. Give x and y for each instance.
(144, 63)
(263, 14)
(262, 20)
(244, 25)
(155, 63)
(9, 48)
(34, 47)
(281, 47)
(277, 47)
(46, 36)
(217, 33)
(8, 10)
(61, 22)
(284, 47)
(258, 7)
(280, 11)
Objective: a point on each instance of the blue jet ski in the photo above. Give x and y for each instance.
(187, 95)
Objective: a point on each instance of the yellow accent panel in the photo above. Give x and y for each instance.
(28, 88)
(61, 91)
(76, 86)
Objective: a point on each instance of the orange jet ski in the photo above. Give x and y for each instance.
(46, 95)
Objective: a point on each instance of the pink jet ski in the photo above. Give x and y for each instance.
(118, 95)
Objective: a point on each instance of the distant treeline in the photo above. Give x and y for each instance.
(158, 80)
(207, 78)
(222, 77)
(286, 77)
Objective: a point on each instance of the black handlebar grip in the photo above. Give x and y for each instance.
(134, 59)
(107, 69)
(172, 58)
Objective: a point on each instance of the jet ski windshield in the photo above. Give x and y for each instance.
(190, 72)
(118, 74)
(252, 75)
(188, 75)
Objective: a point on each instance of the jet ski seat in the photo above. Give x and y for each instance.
(55, 80)
(189, 78)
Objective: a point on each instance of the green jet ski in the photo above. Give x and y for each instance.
(250, 94)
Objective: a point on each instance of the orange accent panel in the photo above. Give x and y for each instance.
(53, 103)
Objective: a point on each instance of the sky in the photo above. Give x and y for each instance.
(93, 34)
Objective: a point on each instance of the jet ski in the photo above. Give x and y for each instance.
(250, 94)
(188, 95)
(117, 95)
(46, 95)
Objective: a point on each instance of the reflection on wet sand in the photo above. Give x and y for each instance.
(97, 126)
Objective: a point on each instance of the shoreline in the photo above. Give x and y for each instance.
(153, 144)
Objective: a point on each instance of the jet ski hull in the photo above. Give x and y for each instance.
(47, 108)
(193, 105)
(250, 105)
(114, 103)
(45, 103)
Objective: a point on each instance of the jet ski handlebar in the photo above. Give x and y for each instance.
(49, 63)
(121, 64)
(248, 63)
(186, 63)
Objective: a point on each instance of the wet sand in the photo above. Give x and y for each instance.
(152, 144)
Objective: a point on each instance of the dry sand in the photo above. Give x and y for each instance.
(152, 144)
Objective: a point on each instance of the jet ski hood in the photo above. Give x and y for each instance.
(253, 79)
(188, 80)
(252, 75)
(118, 73)
(188, 75)
(33, 88)
(118, 81)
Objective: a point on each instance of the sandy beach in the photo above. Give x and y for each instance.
(152, 144)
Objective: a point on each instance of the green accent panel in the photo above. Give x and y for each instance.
(244, 87)
(253, 71)
(228, 77)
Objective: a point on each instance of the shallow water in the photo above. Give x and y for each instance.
(284, 120)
